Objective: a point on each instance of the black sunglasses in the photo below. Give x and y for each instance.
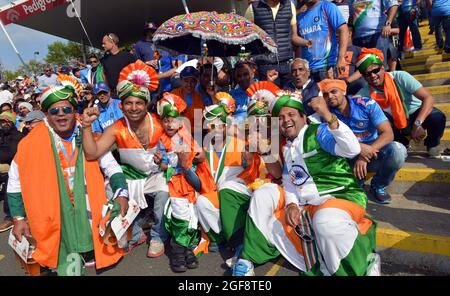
(65, 110)
(92, 62)
(374, 71)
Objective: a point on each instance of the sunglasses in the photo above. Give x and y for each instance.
(92, 62)
(374, 71)
(65, 110)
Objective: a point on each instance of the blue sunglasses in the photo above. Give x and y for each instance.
(65, 110)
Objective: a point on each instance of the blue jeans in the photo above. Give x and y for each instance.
(444, 23)
(374, 41)
(413, 27)
(390, 159)
(157, 232)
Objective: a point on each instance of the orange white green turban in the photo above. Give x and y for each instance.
(54, 94)
(170, 105)
(222, 110)
(137, 80)
(328, 84)
(261, 94)
(369, 56)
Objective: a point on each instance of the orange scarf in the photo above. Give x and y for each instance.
(391, 99)
(40, 193)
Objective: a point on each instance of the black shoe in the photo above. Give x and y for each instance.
(191, 260)
(380, 195)
(178, 263)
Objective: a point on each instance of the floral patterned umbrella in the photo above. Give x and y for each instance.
(208, 33)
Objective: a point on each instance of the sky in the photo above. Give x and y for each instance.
(27, 42)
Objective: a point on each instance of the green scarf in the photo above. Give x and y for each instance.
(76, 232)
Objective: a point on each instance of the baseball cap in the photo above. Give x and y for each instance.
(65, 69)
(189, 71)
(8, 116)
(36, 114)
(150, 26)
(100, 86)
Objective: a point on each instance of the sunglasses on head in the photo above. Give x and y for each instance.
(65, 110)
(374, 71)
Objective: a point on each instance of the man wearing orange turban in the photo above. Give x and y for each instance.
(408, 104)
(365, 118)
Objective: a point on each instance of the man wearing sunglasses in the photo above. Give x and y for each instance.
(316, 219)
(109, 108)
(47, 79)
(93, 73)
(50, 180)
(365, 118)
(408, 105)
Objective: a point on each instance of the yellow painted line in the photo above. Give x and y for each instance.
(425, 59)
(421, 175)
(276, 267)
(432, 76)
(443, 65)
(445, 108)
(439, 89)
(411, 241)
(2, 257)
(446, 136)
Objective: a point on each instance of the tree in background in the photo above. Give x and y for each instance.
(60, 53)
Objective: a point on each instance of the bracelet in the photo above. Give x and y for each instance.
(19, 218)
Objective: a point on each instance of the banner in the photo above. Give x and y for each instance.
(26, 9)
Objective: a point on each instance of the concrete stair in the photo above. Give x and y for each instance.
(413, 230)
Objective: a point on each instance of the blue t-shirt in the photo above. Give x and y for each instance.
(144, 50)
(107, 116)
(207, 100)
(319, 25)
(241, 100)
(369, 16)
(165, 64)
(440, 8)
(365, 116)
(407, 5)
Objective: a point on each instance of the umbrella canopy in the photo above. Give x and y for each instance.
(223, 33)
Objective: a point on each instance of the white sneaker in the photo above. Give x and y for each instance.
(243, 268)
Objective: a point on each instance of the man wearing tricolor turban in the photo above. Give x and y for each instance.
(316, 220)
(365, 118)
(136, 136)
(52, 181)
(408, 104)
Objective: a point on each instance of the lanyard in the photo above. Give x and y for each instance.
(72, 139)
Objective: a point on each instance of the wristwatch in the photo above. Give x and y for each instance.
(387, 23)
(418, 122)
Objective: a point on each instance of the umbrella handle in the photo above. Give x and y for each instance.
(185, 6)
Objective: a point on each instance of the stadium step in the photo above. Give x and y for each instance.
(441, 93)
(425, 60)
(421, 175)
(423, 52)
(413, 231)
(434, 79)
(423, 69)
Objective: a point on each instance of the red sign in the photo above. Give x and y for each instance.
(26, 9)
